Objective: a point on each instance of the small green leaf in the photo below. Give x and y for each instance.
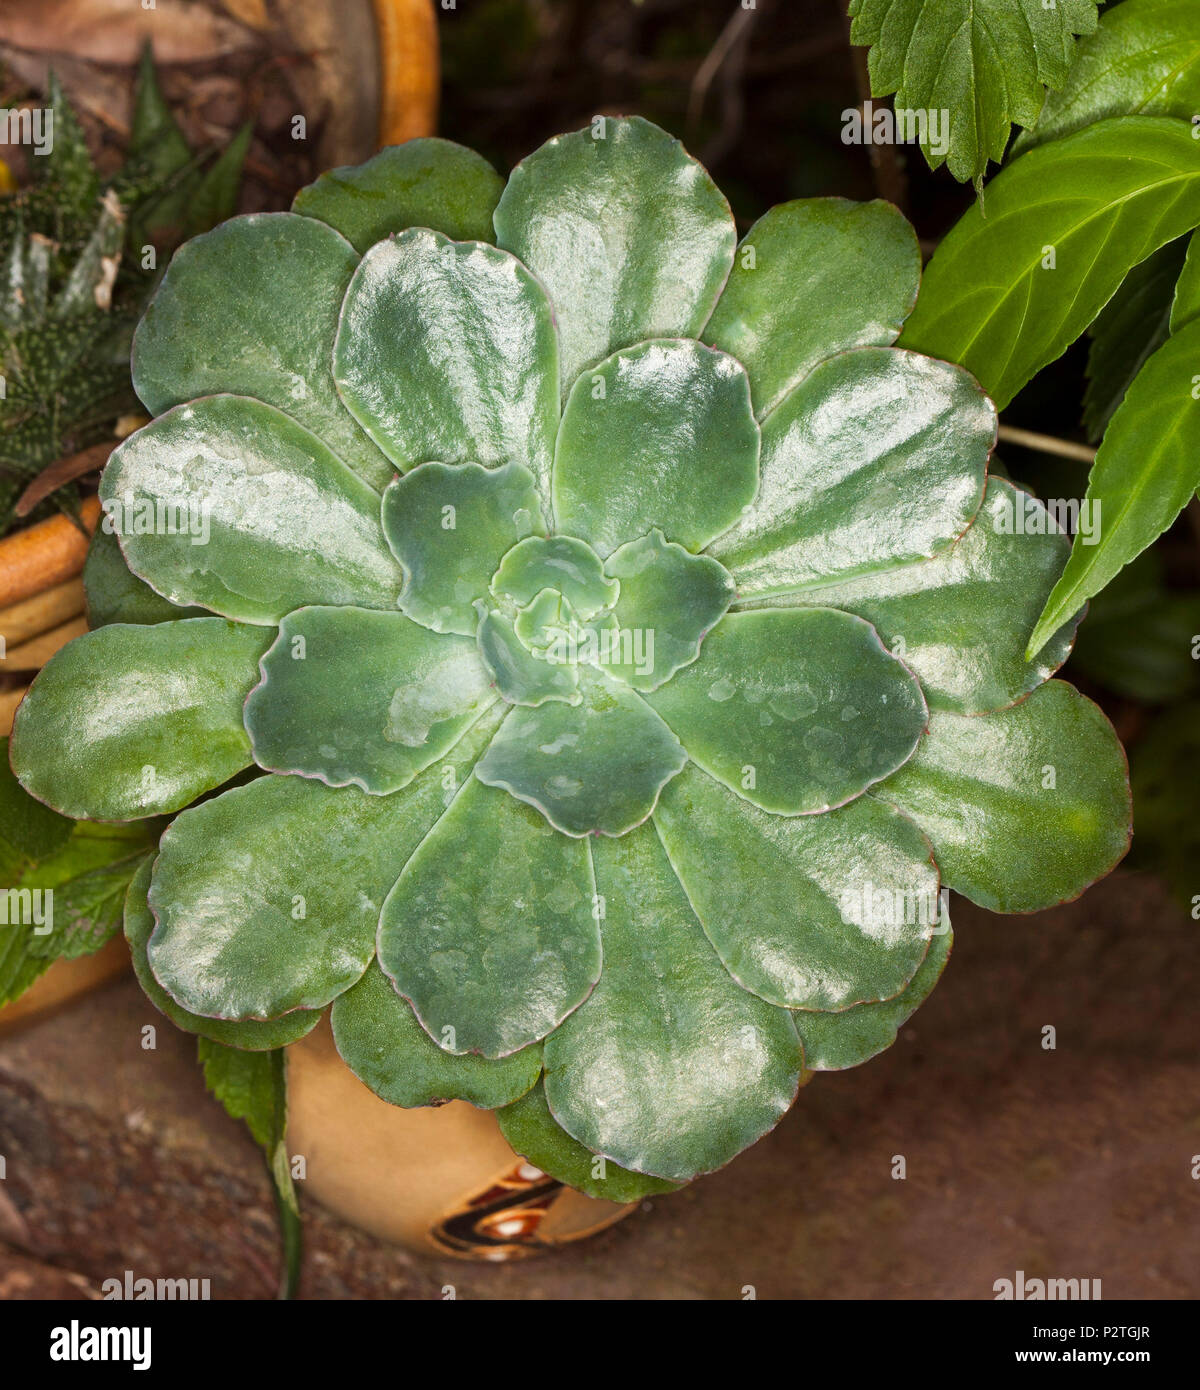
(833, 1042)
(230, 504)
(252, 1086)
(155, 139)
(490, 930)
(446, 351)
(415, 695)
(1142, 60)
(1026, 807)
(382, 1043)
(265, 332)
(959, 621)
(67, 165)
(1146, 471)
(561, 563)
(251, 1035)
(627, 232)
(251, 922)
(595, 767)
(534, 1133)
(809, 912)
(450, 526)
(663, 435)
(669, 1067)
(519, 676)
(876, 458)
(669, 602)
(980, 64)
(810, 279)
(1063, 226)
(797, 710)
(423, 183)
(163, 718)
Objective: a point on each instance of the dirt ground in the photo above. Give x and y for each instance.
(1070, 1162)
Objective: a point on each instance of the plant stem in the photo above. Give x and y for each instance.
(1047, 443)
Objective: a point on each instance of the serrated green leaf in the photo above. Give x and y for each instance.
(1061, 229)
(985, 63)
(1187, 290)
(1146, 470)
(1142, 60)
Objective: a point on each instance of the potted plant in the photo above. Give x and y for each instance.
(575, 649)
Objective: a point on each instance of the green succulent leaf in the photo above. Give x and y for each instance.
(669, 601)
(1133, 325)
(1142, 60)
(834, 1042)
(116, 595)
(450, 526)
(810, 279)
(215, 197)
(595, 767)
(808, 912)
(415, 694)
(1146, 471)
(562, 564)
(426, 182)
(959, 621)
(489, 930)
(229, 504)
(1062, 228)
(155, 139)
(162, 721)
(876, 458)
(670, 1067)
(446, 350)
(627, 232)
(266, 331)
(1026, 807)
(662, 435)
(252, 923)
(985, 63)
(519, 676)
(797, 710)
(534, 1133)
(252, 1035)
(380, 1040)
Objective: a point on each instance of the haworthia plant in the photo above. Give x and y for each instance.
(603, 756)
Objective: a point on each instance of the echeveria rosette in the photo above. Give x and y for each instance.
(594, 625)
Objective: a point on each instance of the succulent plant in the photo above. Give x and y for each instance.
(610, 648)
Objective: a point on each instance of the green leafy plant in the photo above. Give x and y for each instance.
(78, 260)
(614, 645)
(1088, 229)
